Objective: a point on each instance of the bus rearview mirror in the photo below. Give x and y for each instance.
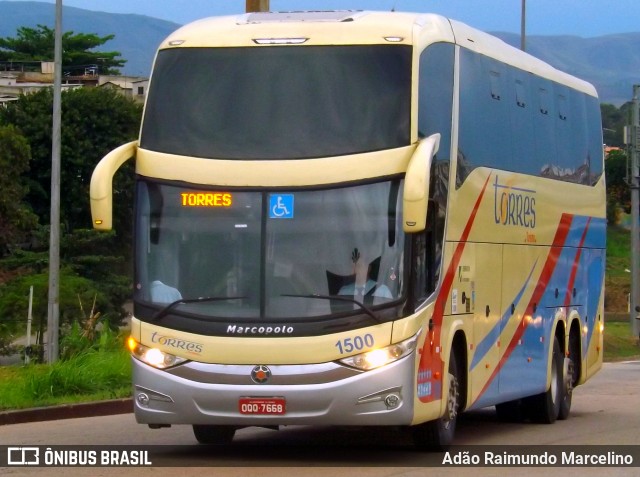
(415, 200)
(100, 191)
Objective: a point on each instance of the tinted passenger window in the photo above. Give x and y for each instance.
(515, 121)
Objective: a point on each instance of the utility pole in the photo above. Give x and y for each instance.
(257, 6)
(523, 25)
(53, 309)
(633, 140)
(27, 354)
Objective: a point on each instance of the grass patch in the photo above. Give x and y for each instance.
(618, 242)
(86, 377)
(619, 344)
(617, 278)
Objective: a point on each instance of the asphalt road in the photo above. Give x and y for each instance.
(604, 412)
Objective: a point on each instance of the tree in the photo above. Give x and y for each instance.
(75, 292)
(613, 122)
(16, 217)
(94, 121)
(92, 268)
(618, 191)
(37, 44)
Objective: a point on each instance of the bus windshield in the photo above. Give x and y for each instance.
(269, 255)
(278, 102)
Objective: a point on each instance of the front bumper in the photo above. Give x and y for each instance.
(326, 394)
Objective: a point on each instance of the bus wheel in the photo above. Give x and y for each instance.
(570, 375)
(437, 435)
(545, 407)
(214, 434)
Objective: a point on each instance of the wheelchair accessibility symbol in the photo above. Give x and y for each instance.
(281, 206)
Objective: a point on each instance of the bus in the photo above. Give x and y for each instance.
(363, 219)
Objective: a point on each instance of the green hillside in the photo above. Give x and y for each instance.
(611, 63)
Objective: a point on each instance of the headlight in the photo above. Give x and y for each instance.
(153, 356)
(382, 356)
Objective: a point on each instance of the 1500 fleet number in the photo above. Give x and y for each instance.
(357, 343)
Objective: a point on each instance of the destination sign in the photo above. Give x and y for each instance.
(206, 199)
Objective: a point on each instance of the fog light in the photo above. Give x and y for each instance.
(143, 399)
(392, 401)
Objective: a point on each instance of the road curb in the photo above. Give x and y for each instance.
(67, 411)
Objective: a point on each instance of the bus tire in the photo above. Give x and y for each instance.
(545, 407)
(216, 435)
(438, 435)
(570, 374)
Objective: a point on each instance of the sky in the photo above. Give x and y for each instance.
(585, 18)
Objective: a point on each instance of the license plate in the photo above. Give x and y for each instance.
(262, 406)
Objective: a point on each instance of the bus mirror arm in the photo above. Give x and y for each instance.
(415, 200)
(101, 189)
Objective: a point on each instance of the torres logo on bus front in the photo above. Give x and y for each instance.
(177, 343)
(514, 205)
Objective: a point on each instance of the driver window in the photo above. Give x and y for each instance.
(426, 257)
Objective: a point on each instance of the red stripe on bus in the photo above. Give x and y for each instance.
(436, 363)
(576, 262)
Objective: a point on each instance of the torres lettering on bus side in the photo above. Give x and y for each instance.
(514, 206)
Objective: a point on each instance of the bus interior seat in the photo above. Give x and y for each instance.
(336, 282)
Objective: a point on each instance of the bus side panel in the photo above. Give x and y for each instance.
(592, 336)
(525, 324)
(485, 344)
(523, 265)
(537, 298)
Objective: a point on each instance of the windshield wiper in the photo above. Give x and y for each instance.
(339, 298)
(163, 312)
